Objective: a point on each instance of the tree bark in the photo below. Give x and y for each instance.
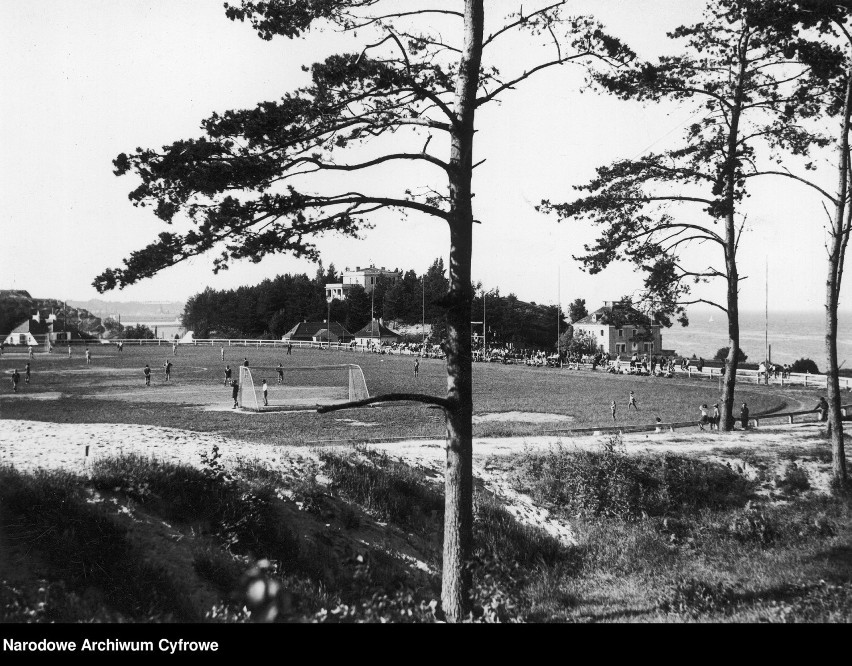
(458, 507)
(837, 249)
(733, 279)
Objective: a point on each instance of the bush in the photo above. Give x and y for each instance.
(722, 354)
(754, 526)
(498, 534)
(692, 596)
(795, 479)
(391, 490)
(612, 484)
(805, 365)
(243, 516)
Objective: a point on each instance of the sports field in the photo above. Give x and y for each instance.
(508, 399)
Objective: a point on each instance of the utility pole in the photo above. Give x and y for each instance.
(328, 299)
(558, 309)
(484, 348)
(423, 320)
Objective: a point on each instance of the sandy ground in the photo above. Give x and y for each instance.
(29, 445)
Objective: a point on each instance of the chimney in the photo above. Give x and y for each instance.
(357, 268)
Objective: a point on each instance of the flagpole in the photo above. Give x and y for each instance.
(423, 319)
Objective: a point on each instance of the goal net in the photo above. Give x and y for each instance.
(301, 387)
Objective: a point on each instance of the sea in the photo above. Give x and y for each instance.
(165, 330)
(791, 334)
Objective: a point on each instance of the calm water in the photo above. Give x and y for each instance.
(165, 329)
(792, 335)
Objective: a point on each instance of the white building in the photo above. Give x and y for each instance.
(621, 329)
(366, 277)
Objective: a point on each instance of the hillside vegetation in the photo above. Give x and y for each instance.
(17, 306)
(273, 307)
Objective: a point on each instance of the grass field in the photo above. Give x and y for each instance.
(112, 390)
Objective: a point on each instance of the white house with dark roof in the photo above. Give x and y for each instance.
(366, 277)
(619, 328)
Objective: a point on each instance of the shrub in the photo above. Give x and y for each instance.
(805, 365)
(722, 354)
(795, 479)
(391, 490)
(497, 534)
(244, 517)
(610, 483)
(754, 526)
(692, 596)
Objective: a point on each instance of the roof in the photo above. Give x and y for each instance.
(306, 330)
(376, 329)
(31, 326)
(324, 335)
(626, 314)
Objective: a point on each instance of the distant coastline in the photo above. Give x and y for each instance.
(793, 334)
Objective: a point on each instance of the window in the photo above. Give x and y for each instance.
(602, 332)
(634, 332)
(620, 332)
(621, 347)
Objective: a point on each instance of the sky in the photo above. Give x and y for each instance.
(82, 82)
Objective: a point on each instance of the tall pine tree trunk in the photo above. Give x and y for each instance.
(730, 175)
(458, 507)
(836, 255)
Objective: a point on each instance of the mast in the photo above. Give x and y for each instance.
(483, 323)
(766, 315)
(423, 317)
(558, 306)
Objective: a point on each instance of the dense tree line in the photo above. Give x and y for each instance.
(274, 306)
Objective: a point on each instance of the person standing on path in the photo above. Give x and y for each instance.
(265, 389)
(632, 402)
(174, 348)
(245, 362)
(704, 418)
(88, 357)
(714, 423)
(30, 352)
(69, 350)
(168, 366)
(27, 372)
(227, 375)
(235, 391)
(280, 370)
(416, 367)
(612, 408)
(822, 408)
(289, 348)
(744, 416)
(147, 372)
(15, 379)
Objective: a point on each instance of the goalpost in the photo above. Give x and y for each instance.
(300, 387)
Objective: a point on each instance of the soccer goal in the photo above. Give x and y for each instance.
(301, 387)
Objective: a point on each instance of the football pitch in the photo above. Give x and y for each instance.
(508, 399)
